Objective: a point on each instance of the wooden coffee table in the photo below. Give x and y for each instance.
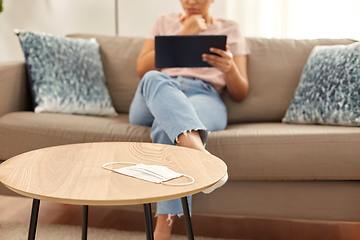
(73, 174)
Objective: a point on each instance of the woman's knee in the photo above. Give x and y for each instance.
(152, 74)
(154, 79)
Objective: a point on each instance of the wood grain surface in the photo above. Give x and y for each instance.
(74, 174)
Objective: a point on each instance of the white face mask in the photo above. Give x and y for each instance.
(151, 173)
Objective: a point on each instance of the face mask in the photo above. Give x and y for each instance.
(151, 173)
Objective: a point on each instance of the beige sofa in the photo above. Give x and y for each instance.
(276, 170)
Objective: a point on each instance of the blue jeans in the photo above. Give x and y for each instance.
(172, 106)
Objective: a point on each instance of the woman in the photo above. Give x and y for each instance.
(183, 104)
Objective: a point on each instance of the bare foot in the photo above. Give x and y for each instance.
(163, 227)
(191, 140)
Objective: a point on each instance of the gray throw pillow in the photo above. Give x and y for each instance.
(329, 88)
(66, 75)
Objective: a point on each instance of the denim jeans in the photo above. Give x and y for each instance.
(172, 106)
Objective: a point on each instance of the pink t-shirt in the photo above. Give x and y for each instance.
(170, 24)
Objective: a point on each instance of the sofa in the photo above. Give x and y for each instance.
(276, 170)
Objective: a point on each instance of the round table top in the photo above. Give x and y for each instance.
(74, 174)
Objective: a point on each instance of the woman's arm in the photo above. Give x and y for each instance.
(236, 79)
(234, 69)
(146, 58)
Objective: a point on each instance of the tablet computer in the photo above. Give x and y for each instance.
(185, 50)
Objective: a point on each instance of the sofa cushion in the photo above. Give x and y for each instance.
(119, 56)
(277, 151)
(264, 151)
(24, 131)
(66, 75)
(274, 70)
(310, 200)
(329, 89)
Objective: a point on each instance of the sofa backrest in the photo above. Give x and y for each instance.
(274, 69)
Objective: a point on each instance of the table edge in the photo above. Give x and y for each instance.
(105, 202)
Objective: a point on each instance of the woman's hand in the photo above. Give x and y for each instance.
(193, 25)
(234, 69)
(224, 62)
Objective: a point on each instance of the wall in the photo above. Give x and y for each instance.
(299, 19)
(61, 17)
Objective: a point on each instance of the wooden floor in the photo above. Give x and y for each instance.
(17, 209)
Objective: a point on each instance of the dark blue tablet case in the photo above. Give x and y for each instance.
(185, 50)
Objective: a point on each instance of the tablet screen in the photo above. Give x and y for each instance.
(185, 50)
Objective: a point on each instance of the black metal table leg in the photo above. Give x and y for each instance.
(148, 222)
(186, 210)
(33, 219)
(85, 222)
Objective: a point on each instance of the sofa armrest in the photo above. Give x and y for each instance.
(14, 88)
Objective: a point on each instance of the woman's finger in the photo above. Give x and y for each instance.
(218, 51)
(221, 65)
(211, 57)
(219, 62)
(221, 52)
(215, 62)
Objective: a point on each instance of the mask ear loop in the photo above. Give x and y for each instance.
(113, 163)
(181, 184)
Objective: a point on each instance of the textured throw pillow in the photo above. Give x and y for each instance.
(65, 74)
(329, 88)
